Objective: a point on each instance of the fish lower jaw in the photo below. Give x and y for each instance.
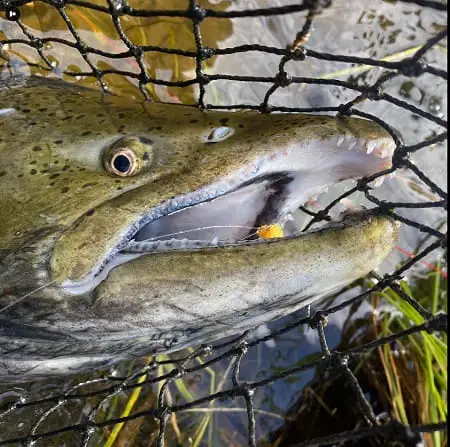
(231, 211)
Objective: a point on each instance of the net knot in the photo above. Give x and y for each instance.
(144, 78)
(81, 47)
(137, 52)
(412, 68)
(178, 372)
(283, 79)
(205, 53)
(299, 54)
(399, 156)
(337, 360)
(322, 215)
(205, 350)
(319, 318)
(361, 185)
(317, 5)
(402, 433)
(345, 110)
(384, 208)
(37, 43)
(203, 78)
(373, 93)
(242, 347)
(437, 323)
(196, 14)
(117, 7)
(13, 14)
(58, 3)
(265, 108)
(163, 413)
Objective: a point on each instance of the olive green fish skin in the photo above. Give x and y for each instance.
(61, 211)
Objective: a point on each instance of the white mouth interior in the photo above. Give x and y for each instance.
(231, 210)
(230, 217)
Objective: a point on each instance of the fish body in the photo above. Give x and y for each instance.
(132, 228)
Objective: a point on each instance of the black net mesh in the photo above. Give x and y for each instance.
(147, 401)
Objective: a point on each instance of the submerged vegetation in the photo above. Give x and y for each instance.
(414, 386)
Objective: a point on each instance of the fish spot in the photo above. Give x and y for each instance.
(59, 141)
(193, 121)
(2, 173)
(81, 169)
(65, 189)
(85, 133)
(37, 148)
(65, 167)
(26, 110)
(20, 175)
(241, 126)
(33, 171)
(33, 162)
(57, 174)
(158, 128)
(43, 109)
(43, 171)
(121, 115)
(224, 120)
(90, 212)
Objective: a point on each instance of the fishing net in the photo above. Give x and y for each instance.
(148, 401)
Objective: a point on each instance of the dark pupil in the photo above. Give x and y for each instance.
(122, 163)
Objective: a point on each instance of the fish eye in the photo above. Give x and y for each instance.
(123, 163)
(128, 156)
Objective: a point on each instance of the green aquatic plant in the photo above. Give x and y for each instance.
(415, 369)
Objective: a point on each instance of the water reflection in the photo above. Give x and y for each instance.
(97, 30)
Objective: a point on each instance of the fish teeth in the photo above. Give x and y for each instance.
(371, 146)
(215, 240)
(384, 152)
(340, 140)
(378, 182)
(352, 145)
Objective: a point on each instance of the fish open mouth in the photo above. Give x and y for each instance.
(248, 207)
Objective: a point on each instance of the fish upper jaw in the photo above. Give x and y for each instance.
(231, 209)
